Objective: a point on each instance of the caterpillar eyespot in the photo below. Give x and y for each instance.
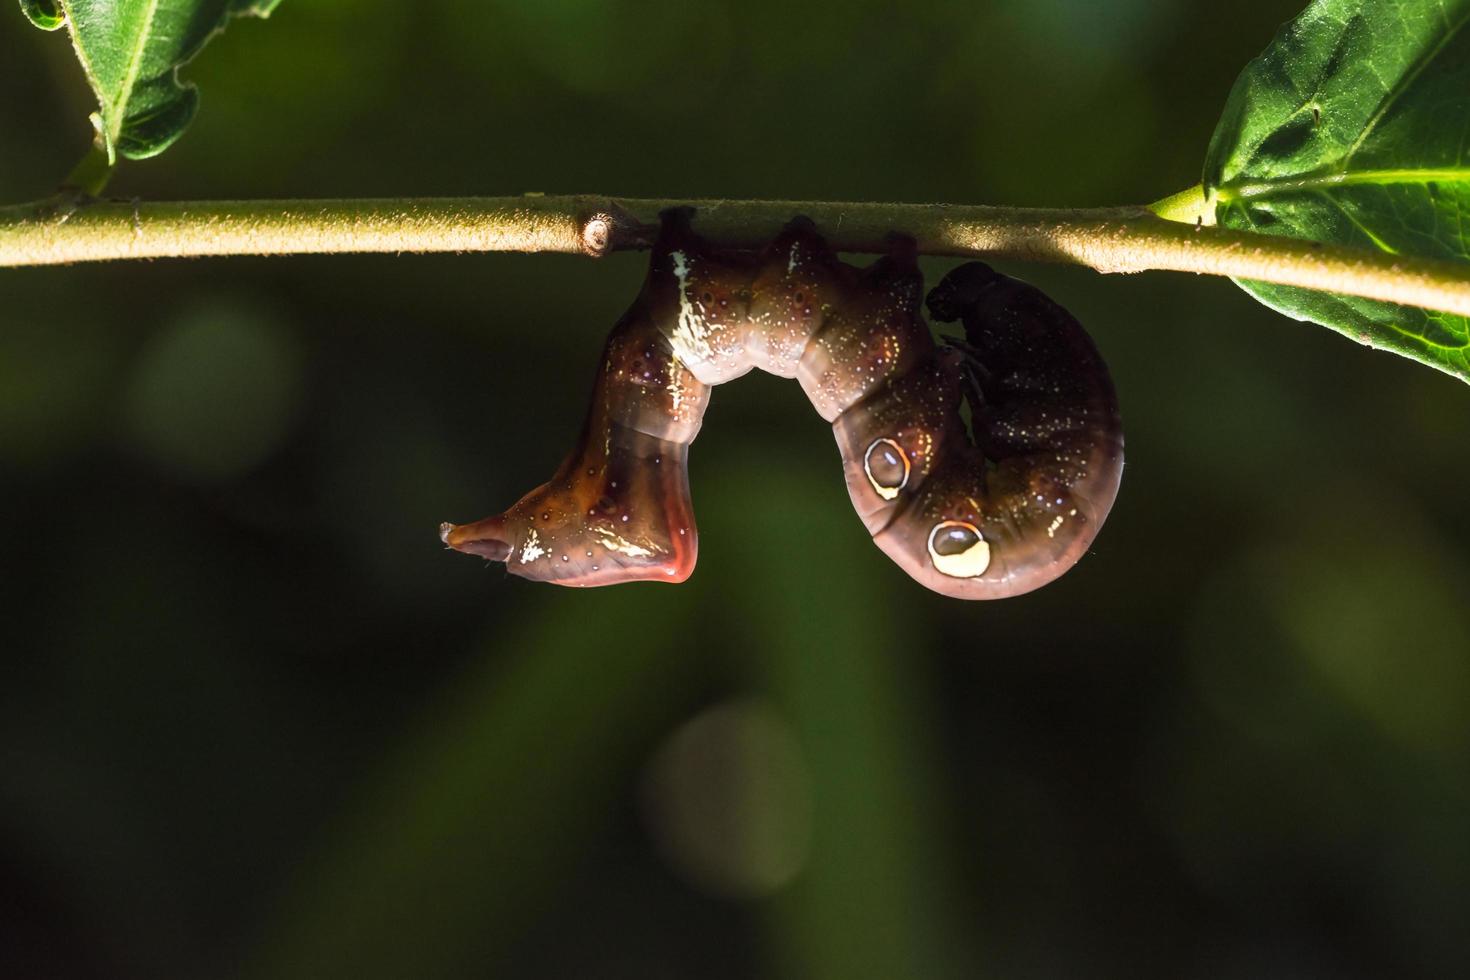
(991, 510)
(887, 467)
(957, 549)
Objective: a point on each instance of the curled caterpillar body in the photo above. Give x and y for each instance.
(991, 510)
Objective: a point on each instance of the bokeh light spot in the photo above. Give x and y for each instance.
(728, 800)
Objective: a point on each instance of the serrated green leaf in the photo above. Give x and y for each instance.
(131, 51)
(1353, 127)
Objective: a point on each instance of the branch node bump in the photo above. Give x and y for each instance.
(597, 234)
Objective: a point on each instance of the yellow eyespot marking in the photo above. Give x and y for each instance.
(957, 549)
(887, 467)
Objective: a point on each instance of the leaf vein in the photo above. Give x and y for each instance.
(1392, 95)
(135, 58)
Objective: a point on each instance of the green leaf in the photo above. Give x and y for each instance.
(131, 51)
(1353, 127)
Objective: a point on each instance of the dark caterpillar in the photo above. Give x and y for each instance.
(985, 517)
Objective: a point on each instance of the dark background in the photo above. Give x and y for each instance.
(254, 720)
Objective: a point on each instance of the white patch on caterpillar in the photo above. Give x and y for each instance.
(613, 541)
(791, 262)
(689, 337)
(1051, 530)
(533, 549)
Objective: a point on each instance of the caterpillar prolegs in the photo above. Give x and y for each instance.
(994, 509)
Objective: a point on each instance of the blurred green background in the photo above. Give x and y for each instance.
(255, 721)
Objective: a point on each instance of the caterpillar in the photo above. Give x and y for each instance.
(993, 509)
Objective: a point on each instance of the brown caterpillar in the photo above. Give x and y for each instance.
(985, 517)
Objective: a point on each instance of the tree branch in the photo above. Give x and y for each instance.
(1108, 240)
